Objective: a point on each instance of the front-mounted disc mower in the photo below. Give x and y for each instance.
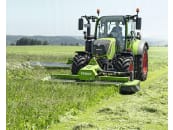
(114, 54)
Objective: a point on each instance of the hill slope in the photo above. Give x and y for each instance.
(73, 40)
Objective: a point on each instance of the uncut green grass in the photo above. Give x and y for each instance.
(41, 53)
(34, 104)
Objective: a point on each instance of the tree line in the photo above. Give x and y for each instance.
(25, 41)
(28, 41)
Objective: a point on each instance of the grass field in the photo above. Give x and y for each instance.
(35, 104)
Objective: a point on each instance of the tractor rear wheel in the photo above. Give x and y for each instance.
(142, 65)
(79, 61)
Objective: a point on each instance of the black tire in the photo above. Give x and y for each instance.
(79, 61)
(122, 63)
(142, 65)
(129, 90)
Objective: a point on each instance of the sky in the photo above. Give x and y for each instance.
(60, 17)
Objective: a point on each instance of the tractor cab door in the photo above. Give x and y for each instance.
(131, 29)
(131, 33)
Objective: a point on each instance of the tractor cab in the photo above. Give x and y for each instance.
(112, 27)
(123, 29)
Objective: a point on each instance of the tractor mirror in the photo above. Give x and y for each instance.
(80, 24)
(138, 23)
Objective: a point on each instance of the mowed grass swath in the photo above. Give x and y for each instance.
(35, 104)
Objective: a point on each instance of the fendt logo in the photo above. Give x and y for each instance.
(85, 73)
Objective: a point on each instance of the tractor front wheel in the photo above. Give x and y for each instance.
(79, 61)
(124, 64)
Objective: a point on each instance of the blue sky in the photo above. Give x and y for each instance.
(60, 17)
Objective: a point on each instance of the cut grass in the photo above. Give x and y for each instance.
(144, 110)
(34, 104)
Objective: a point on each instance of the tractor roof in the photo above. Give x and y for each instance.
(112, 18)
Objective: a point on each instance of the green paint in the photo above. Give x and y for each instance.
(93, 61)
(133, 45)
(65, 76)
(113, 79)
(89, 72)
(131, 83)
(112, 48)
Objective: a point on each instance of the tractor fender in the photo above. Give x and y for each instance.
(82, 52)
(141, 47)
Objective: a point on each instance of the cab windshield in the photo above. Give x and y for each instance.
(111, 26)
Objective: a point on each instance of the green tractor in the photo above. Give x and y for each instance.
(114, 54)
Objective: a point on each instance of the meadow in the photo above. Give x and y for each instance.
(36, 104)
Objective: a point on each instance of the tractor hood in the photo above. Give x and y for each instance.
(104, 47)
